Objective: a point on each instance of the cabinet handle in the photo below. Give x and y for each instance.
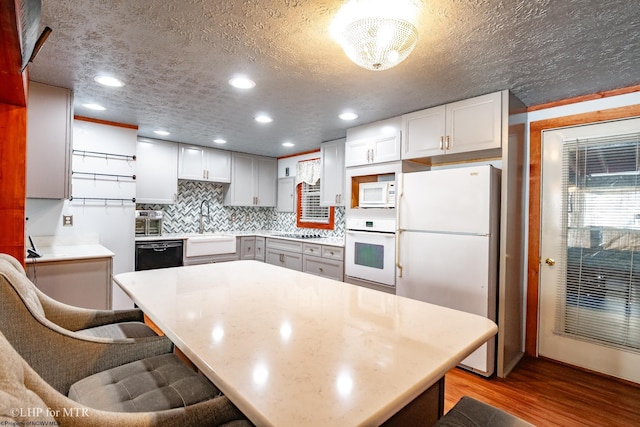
(448, 144)
(442, 142)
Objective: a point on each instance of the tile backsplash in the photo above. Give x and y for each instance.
(183, 216)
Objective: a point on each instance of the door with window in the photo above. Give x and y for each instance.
(590, 247)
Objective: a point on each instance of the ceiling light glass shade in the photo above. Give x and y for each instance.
(377, 34)
(379, 43)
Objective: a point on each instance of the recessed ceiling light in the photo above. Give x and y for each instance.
(242, 82)
(348, 115)
(288, 144)
(96, 107)
(220, 141)
(263, 118)
(161, 132)
(108, 81)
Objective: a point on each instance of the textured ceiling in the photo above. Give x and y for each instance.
(176, 57)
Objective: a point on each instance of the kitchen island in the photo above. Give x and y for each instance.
(290, 348)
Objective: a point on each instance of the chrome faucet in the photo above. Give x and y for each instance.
(202, 215)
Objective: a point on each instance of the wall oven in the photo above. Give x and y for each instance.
(370, 250)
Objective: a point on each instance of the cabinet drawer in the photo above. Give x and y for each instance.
(323, 267)
(333, 252)
(312, 249)
(284, 245)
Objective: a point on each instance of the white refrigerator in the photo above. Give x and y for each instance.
(448, 225)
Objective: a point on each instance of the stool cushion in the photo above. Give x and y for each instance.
(120, 331)
(469, 412)
(152, 384)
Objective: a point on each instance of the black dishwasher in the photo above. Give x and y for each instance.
(158, 254)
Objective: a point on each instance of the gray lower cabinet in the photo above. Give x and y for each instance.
(79, 282)
(313, 258)
(284, 253)
(247, 247)
(323, 260)
(260, 248)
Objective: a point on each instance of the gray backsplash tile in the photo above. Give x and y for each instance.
(183, 216)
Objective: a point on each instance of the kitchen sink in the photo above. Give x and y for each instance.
(210, 244)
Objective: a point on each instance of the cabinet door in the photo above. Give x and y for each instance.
(218, 165)
(247, 247)
(241, 189)
(358, 152)
(274, 257)
(332, 173)
(266, 183)
(386, 148)
(192, 163)
(286, 195)
(475, 124)
(48, 146)
(422, 133)
(156, 171)
(81, 282)
(260, 243)
(293, 261)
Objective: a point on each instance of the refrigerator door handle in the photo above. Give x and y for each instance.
(398, 266)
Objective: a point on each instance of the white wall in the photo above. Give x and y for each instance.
(290, 162)
(111, 223)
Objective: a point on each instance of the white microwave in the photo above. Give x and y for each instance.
(380, 194)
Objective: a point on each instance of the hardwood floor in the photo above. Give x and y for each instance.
(546, 393)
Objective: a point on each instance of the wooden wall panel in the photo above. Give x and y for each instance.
(13, 133)
(13, 144)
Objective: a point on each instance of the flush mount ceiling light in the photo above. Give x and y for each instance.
(263, 118)
(95, 107)
(348, 115)
(108, 81)
(377, 34)
(219, 141)
(161, 132)
(288, 144)
(242, 82)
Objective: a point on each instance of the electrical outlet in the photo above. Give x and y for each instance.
(67, 220)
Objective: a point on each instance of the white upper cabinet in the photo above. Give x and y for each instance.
(253, 181)
(286, 195)
(377, 149)
(332, 173)
(156, 171)
(204, 164)
(468, 125)
(49, 116)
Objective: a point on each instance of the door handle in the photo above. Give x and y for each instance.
(398, 266)
(550, 261)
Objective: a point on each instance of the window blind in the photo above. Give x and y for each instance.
(311, 211)
(599, 289)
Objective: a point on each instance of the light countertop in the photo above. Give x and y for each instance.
(332, 241)
(289, 348)
(71, 252)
